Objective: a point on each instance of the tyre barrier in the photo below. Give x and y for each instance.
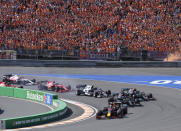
(58, 111)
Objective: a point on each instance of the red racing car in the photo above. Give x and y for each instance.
(6, 84)
(52, 86)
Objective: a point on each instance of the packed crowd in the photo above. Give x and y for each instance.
(152, 25)
(93, 26)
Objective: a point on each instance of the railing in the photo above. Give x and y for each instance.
(75, 54)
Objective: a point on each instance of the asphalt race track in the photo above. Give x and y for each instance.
(17, 107)
(161, 115)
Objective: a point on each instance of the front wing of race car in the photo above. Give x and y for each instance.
(120, 113)
(62, 88)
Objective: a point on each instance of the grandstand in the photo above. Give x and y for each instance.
(91, 29)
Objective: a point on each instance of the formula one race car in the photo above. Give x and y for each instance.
(87, 90)
(15, 79)
(130, 101)
(6, 84)
(99, 93)
(114, 110)
(142, 96)
(52, 86)
(145, 97)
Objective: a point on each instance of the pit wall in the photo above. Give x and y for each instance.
(33, 95)
(87, 63)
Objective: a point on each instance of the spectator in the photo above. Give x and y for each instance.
(94, 26)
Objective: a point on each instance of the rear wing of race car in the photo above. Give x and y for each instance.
(81, 86)
(39, 82)
(69, 87)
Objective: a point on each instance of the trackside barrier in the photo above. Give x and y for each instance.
(42, 97)
(87, 63)
(6, 91)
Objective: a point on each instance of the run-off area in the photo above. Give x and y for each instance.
(13, 107)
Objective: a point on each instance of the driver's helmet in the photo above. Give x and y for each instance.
(100, 89)
(131, 91)
(134, 89)
(113, 104)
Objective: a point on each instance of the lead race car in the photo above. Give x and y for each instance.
(52, 86)
(15, 79)
(114, 110)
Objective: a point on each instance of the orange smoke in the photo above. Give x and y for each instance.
(176, 56)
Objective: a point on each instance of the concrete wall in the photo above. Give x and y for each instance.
(87, 63)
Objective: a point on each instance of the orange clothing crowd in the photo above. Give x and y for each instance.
(152, 25)
(95, 26)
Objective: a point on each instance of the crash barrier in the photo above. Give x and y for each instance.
(59, 110)
(87, 63)
(76, 54)
(8, 54)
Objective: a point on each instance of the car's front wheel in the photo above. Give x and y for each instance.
(78, 93)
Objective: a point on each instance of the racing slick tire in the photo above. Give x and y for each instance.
(95, 94)
(78, 92)
(130, 103)
(19, 82)
(69, 87)
(40, 87)
(145, 98)
(151, 97)
(120, 113)
(91, 95)
(137, 102)
(33, 80)
(53, 88)
(100, 115)
(125, 110)
(108, 92)
(20, 87)
(57, 89)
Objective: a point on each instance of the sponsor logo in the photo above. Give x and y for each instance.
(34, 96)
(56, 104)
(48, 99)
(50, 117)
(24, 122)
(160, 82)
